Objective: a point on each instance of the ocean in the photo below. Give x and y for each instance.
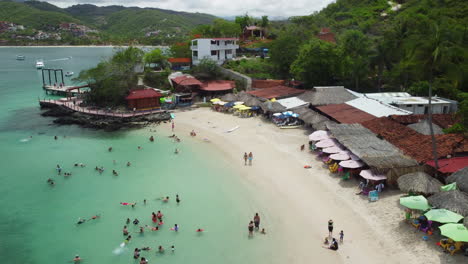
(38, 221)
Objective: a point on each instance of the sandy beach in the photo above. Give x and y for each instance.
(296, 203)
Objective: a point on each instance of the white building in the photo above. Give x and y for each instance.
(216, 49)
(415, 104)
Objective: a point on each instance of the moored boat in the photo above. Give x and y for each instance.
(39, 64)
(20, 57)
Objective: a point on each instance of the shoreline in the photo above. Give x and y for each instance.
(296, 203)
(84, 46)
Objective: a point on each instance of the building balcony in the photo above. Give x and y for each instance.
(193, 47)
(224, 47)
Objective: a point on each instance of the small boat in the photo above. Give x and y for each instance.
(20, 57)
(232, 129)
(39, 64)
(68, 74)
(286, 127)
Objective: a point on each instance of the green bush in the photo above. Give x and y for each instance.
(157, 79)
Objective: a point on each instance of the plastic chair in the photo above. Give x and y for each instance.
(427, 228)
(373, 196)
(340, 169)
(326, 159)
(346, 176)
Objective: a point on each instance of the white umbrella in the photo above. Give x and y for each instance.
(319, 135)
(368, 174)
(352, 164)
(340, 156)
(238, 103)
(334, 149)
(326, 143)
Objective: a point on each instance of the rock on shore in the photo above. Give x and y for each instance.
(66, 116)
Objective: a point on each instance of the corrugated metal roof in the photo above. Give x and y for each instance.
(345, 114)
(276, 92)
(376, 108)
(292, 102)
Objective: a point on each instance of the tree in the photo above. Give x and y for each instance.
(219, 28)
(355, 56)
(181, 50)
(111, 79)
(316, 63)
(284, 51)
(207, 69)
(265, 22)
(156, 57)
(243, 21)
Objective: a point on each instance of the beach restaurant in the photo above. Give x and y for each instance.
(143, 99)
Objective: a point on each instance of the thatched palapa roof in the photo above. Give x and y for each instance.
(465, 222)
(310, 117)
(375, 152)
(272, 107)
(454, 201)
(419, 182)
(327, 95)
(422, 127)
(461, 178)
(230, 97)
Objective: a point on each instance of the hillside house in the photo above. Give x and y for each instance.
(216, 49)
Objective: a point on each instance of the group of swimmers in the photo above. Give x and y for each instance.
(83, 220)
(255, 225)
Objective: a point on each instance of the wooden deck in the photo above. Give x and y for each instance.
(100, 112)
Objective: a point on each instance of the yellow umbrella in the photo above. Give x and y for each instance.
(273, 100)
(238, 106)
(215, 100)
(245, 108)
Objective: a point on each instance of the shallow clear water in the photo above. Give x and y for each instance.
(38, 220)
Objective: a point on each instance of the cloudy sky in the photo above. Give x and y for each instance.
(275, 8)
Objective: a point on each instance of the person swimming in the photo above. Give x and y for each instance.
(176, 151)
(142, 230)
(166, 199)
(136, 221)
(128, 221)
(200, 230)
(128, 164)
(145, 248)
(125, 231)
(176, 228)
(136, 253)
(160, 249)
(153, 228)
(109, 149)
(115, 173)
(81, 221)
(127, 239)
(177, 199)
(151, 138)
(76, 259)
(50, 181)
(172, 248)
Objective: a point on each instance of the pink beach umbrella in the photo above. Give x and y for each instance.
(351, 155)
(368, 174)
(340, 156)
(334, 149)
(352, 164)
(319, 135)
(326, 143)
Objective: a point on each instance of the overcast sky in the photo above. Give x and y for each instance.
(272, 8)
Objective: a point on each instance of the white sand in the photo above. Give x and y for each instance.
(296, 203)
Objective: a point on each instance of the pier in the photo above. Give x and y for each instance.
(54, 83)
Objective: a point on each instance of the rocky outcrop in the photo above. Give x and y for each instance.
(66, 116)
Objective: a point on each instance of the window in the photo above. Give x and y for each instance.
(194, 42)
(213, 42)
(426, 110)
(420, 105)
(228, 51)
(214, 52)
(409, 105)
(195, 53)
(445, 111)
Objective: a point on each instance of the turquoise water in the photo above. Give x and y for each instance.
(38, 220)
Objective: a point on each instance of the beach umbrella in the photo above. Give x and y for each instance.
(245, 108)
(419, 182)
(238, 103)
(454, 201)
(443, 216)
(238, 106)
(461, 178)
(368, 174)
(465, 222)
(326, 143)
(449, 187)
(457, 232)
(215, 100)
(332, 150)
(351, 164)
(340, 156)
(230, 104)
(319, 135)
(415, 202)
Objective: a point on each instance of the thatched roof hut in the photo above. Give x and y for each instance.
(455, 201)
(252, 101)
(465, 222)
(327, 95)
(422, 127)
(461, 178)
(419, 182)
(312, 118)
(272, 107)
(379, 154)
(230, 97)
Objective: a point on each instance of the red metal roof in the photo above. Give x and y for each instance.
(143, 93)
(218, 86)
(276, 92)
(260, 84)
(186, 80)
(345, 113)
(412, 143)
(179, 60)
(450, 165)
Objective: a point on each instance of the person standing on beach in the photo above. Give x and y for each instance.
(251, 228)
(330, 227)
(172, 125)
(256, 220)
(341, 236)
(245, 158)
(250, 158)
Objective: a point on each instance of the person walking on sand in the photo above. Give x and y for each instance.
(251, 228)
(172, 125)
(330, 227)
(250, 158)
(245, 158)
(341, 236)
(256, 220)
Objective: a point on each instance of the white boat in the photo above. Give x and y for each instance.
(39, 64)
(20, 57)
(69, 74)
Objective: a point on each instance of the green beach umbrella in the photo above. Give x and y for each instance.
(457, 232)
(443, 216)
(415, 202)
(449, 187)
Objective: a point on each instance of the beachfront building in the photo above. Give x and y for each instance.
(253, 32)
(180, 63)
(216, 88)
(415, 104)
(184, 83)
(143, 99)
(216, 49)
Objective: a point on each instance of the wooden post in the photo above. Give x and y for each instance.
(43, 80)
(55, 75)
(50, 81)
